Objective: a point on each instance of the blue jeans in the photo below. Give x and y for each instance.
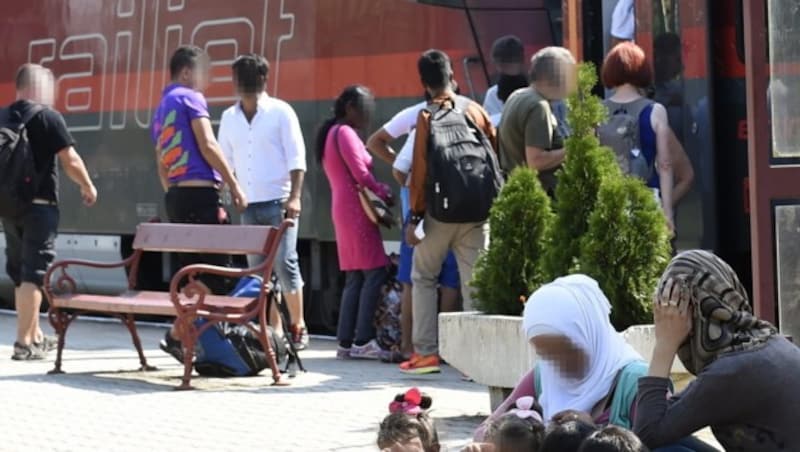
(270, 213)
(362, 290)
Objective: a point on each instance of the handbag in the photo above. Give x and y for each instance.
(375, 208)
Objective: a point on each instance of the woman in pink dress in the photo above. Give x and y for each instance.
(348, 166)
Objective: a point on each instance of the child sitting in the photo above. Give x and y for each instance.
(613, 439)
(408, 428)
(567, 431)
(519, 430)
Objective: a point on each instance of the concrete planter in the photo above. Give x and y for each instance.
(493, 351)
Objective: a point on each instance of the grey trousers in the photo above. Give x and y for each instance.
(467, 240)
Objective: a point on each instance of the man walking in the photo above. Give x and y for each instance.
(261, 138)
(453, 183)
(30, 237)
(190, 163)
(508, 57)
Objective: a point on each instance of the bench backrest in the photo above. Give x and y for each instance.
(202, 238)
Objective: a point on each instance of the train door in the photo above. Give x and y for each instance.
(536, 22)
(773, 118)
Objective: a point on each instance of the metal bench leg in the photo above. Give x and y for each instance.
(188, 339)
(130, 322)
(60, 321)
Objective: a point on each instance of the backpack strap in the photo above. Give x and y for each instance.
(631, 108)
(32, 112)
(10, 116)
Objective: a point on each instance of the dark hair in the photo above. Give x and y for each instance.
(435, 70)
(184, 57)
(401, 428)
(250, 71)
(514, 434)
(508, 49)
(626, 63)
(613, 439)
(355, 95)
(566, 436)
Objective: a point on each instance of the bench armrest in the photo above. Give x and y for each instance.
(65, 281)
(195, 289)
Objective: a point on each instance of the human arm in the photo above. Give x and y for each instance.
(525, 388)
(74, 168)
(379, 145)
(682, 169)
(212, 153)
(660, 123)
(540, 139)
(355, 158)
(294, 150)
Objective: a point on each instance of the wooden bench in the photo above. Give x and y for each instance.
(188, 303)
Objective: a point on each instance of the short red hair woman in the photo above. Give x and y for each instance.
(627, 72)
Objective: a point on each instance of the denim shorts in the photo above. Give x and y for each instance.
(448, 276)
(30, 244)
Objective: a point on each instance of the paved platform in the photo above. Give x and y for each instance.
(102, 403)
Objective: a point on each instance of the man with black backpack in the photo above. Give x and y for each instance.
(455, 177)
(31, 137)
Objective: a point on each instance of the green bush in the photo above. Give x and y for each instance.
(626, 248)
(520, 220)
(587, 165)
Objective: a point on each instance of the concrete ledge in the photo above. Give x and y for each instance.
(494, 352)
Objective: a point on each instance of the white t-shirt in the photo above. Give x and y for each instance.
(403, 123)
(491, 103)
(495, 118)
(623, 20)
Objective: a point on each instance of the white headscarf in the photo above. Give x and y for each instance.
(575, 307)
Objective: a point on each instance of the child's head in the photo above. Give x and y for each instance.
(566, 436)
(408, 428)
(572, 415)
(613, 439)
(516, 434)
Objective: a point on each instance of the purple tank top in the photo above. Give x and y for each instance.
(173, 136)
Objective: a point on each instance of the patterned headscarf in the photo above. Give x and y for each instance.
(722, 318)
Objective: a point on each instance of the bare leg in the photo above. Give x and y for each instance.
(406, 320)
(28, 299)
(450, 301)
(294, 300)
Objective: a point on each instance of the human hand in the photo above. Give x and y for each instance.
(238, 197)
(411, 236)
(672, 315)
(89, 195)
(292, 206)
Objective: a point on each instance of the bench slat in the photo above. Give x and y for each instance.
(142, 302)
(201, 238)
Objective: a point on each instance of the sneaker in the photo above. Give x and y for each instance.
(48, 343)
(28, 352)
(420, 365)
(172, 346)
(299, 337)
(343, 353)
(370, 350)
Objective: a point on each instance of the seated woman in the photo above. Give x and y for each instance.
(584, 363)
(745, 370)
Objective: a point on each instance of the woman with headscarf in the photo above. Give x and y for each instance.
(746, 372)
(584, 364)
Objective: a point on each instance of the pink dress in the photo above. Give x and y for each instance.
(358, 240)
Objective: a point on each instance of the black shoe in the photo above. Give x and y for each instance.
(172, 347)
(28, 352)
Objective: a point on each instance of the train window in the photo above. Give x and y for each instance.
(784, 87)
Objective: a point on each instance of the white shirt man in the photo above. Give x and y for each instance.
(261, 139)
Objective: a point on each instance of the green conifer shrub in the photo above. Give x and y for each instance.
(520, 220)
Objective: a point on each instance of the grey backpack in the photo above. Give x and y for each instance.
(621, 133)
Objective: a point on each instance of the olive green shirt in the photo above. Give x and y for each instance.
(528, 120)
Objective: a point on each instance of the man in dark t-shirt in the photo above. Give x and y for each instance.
(30, 238)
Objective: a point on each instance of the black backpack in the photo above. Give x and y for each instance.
(463, 173)
(227, 350)
(19, 179)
